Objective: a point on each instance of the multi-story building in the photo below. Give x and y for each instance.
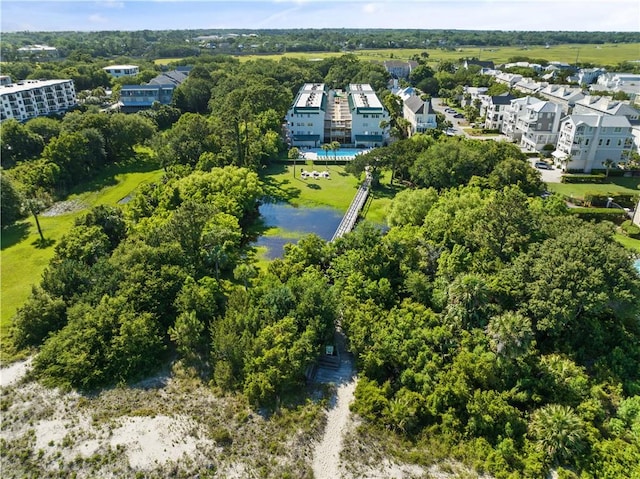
(160, 89)
(605, 106)
(510, 117)
(32, 98)
(419, 113)
(563, 95)
(495, 108)
(367, 113)
(306, 117)
(539, 124)
(585, 142)
(398, 68)
(118, 71)
(319, 115)
(38, 52)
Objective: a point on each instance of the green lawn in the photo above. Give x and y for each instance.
(23, 261)
(606, 54)
(614, 185)
(631, 243)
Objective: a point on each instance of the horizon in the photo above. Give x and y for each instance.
(479, 15)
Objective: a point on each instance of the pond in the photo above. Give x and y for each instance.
(636, 263)
(295, 222)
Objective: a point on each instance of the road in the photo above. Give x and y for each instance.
(548, 176)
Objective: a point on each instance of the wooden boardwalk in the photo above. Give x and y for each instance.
(351, 216)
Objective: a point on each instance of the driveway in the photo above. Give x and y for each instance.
(439, 106)
(548, 176)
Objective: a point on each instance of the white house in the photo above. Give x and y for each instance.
(539, 124)
(586, 141)
(496, 106)
(563, 95)
(118, 71)
(419, 113)
(32, 98)
(510, 117)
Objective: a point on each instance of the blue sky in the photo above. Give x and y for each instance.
(583, 15)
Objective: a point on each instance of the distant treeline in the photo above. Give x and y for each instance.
(173, 43)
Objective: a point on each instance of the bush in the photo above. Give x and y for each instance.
(602, 199)
(583, 178)
(600, 214)
(630, 229)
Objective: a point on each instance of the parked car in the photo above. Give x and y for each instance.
(458, 115)
(543, 165)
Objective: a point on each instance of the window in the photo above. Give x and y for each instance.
(608, 141)
(617, 129)
(600, 142)
(586, 142)
(619, 142)
(365, 124)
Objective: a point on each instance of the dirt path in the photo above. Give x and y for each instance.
(326, 456)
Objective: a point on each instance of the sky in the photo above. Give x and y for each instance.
(98, 15)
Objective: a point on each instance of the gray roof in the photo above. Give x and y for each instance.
(418, 106)
(607, 121)
(174, 77)
(502, 99)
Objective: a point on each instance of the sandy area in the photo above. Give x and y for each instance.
(14, 372)
(64, 207)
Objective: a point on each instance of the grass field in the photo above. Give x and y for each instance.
(606, 54)
(23, 261)
(631, 243)
(614, 185)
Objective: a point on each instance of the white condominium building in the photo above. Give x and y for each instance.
(319, 115)
(366, 114)
(306, 117)
(31, 98)
(585, 142)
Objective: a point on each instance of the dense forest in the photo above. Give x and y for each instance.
(178, 43)
(484, 318)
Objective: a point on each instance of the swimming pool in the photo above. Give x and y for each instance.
(342, 152)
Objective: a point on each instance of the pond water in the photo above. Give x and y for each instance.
(636, 263)
(322, 221)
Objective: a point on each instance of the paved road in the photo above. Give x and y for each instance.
(548, 176)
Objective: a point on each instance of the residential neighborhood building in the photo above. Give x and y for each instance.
(160, 89)
(509, 79)
(38, 52)
(484, 65)
(471, 94)
(495, 109)
(118, 71)
(585, 142)
(306, 117)
(606, 106)
(5, 80)
(32, 98)
(419, 113)
(352, 117)
(539, 124)
(563, 95)
(400, 69)
(587, 76)
(530, 86)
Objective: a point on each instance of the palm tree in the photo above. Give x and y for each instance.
(510, 334)
(559, 433)
(608, 163)
(326, 147)
(335, 146)
(294, 154)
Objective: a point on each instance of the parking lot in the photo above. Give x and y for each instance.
(548, 176)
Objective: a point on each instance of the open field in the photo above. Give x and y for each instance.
(614, 185)
(606, 54)
(23, 261)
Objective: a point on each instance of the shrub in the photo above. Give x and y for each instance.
(630, 229)
(583, 178)
(599, 214)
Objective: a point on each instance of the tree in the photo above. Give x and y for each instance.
(335, 146)
(18, 143)
(559, 433)
(186, 333)
(326, 147)
(293, 154)
(608, 164)
(410, 207)
(35, 203)
(510, 334)
(10, 201)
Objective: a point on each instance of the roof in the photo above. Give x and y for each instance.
(30, 85)
(605, 105)
(120, 67)
(306, 137)
(174, 77)
(544, 106)
(418, 106)
(502, 99)
(377, 138)
(483, 64)
(607, 121)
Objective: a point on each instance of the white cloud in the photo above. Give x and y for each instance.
(110, 4)
(370, 8)
(96, 18)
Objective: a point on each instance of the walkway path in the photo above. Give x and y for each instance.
(351, 216)
(326, 457)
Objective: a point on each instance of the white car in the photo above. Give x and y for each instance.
(543, 165)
